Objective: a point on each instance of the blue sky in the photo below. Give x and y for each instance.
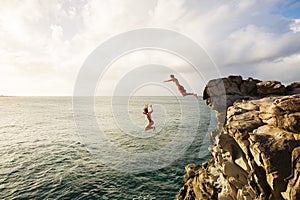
(289, 9)
(45, 43)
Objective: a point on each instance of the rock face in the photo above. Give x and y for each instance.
(256, 154)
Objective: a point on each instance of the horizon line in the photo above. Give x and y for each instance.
(91, 96)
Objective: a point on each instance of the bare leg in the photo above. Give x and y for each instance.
(184, 94)
(194, 94)
(149, 126)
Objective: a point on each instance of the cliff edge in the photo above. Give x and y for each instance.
(256, 151)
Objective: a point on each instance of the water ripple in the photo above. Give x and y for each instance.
(41, 156)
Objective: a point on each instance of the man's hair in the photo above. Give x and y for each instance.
(172, 76)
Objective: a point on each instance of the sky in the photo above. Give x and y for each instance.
(44, 43)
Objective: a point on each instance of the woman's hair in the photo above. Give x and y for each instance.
(145, 110)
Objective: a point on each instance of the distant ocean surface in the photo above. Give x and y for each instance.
(42, 155)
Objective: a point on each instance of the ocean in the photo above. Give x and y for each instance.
(50, 149)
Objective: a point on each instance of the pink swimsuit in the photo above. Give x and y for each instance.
(181, 89)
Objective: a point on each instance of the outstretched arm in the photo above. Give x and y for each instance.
(168, 80)
(151, 109)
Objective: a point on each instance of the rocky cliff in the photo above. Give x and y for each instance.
(256, 151)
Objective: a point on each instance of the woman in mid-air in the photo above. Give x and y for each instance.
(180, 87)
(147, 112)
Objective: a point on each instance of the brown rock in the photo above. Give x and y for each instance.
(244, 123)
(270, 88)
(293, 88)
(282, 112)
(248, 87)
(257, 143)
(293, 188)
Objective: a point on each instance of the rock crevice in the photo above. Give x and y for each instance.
(256, 154)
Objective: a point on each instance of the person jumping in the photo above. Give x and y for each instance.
(147, 112)
(180, 87)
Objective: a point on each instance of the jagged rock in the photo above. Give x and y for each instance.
(275, 148)
(293, 189)
(248, 87)
(257, 153)
(244, 123)
(293, 88)
(191, 171)
(193, 188)
(270, 87)
(283, 113)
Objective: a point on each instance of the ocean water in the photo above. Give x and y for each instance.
(45, 154)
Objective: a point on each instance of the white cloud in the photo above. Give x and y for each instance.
(52, 38)
(295, 26)
(57, 32)
(72, 12)
(254, 44)
(283, 69)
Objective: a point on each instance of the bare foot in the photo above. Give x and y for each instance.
(195, 95)
(153, 128)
